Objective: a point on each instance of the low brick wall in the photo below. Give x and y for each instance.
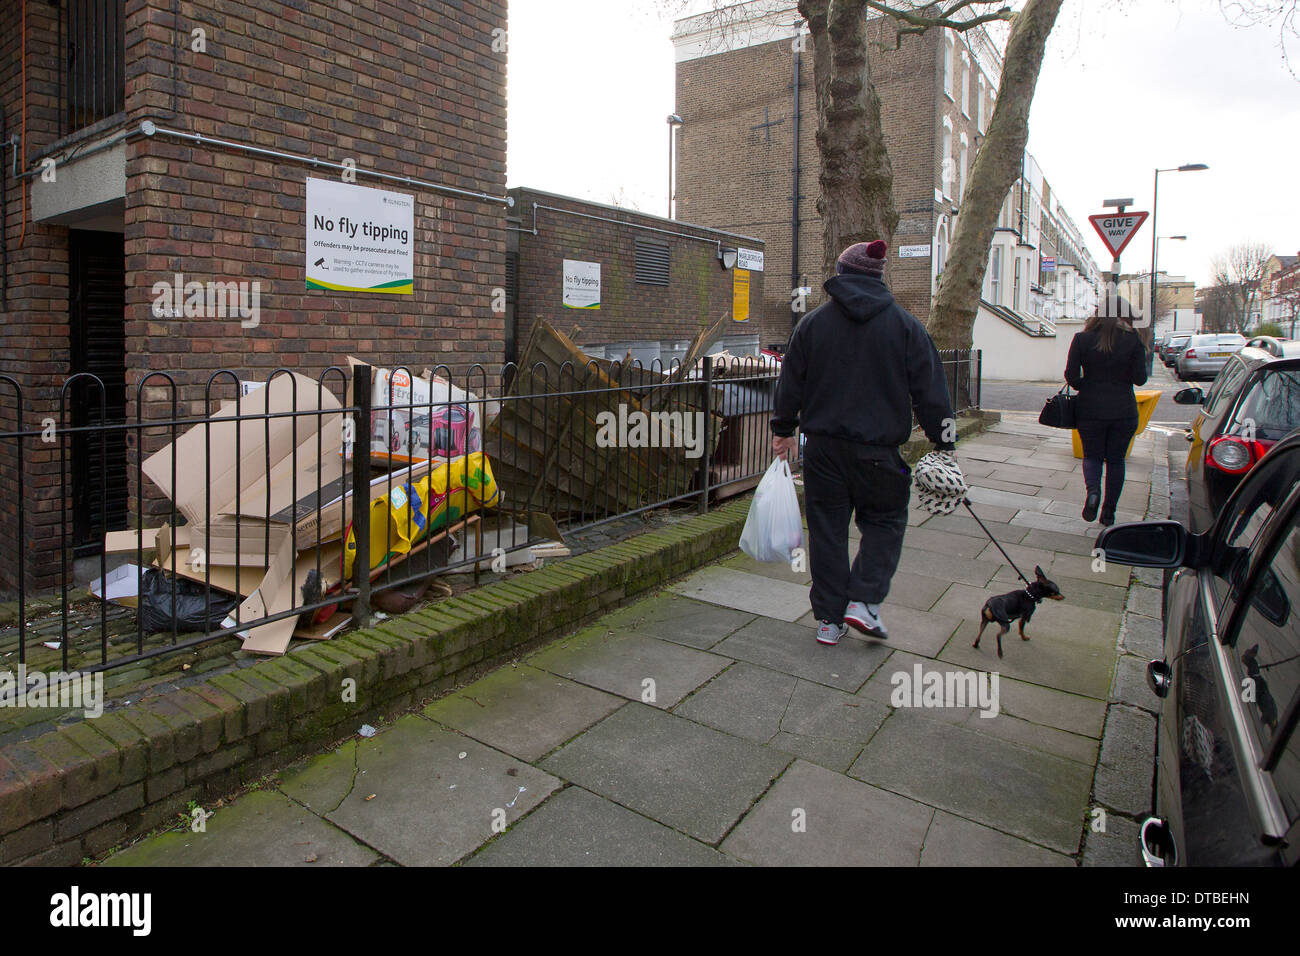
(81, 790)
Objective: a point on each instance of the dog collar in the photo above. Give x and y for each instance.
(1036, 600)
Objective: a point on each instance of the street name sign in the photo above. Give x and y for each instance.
(1116, 229)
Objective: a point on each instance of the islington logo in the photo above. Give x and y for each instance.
(66, 690)
(75, 909)
(208, 300)
(639, 429)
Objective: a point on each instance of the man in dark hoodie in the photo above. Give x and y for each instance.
(854, 371)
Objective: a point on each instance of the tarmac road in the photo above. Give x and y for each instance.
(1010, 396)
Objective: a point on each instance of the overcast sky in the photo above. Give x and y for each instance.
(1127, 85)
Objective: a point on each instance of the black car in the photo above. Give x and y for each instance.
(1251, 404)
(1228, 755)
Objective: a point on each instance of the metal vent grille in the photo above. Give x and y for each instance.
(651, 262)
(512, 276)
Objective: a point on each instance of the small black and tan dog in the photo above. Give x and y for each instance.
(1006, 608)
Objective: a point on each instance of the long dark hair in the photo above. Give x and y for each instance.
(1110, 321)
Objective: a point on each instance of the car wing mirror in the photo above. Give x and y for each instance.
(1147, 544)
(1189, 396)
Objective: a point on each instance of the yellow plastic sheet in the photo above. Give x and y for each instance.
(1146, 399)
(413, 510)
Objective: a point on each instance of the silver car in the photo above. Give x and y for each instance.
(1205, 355)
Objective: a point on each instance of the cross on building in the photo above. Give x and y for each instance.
(767, 124)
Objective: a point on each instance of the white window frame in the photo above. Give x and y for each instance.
(979, 107)
(961, 169)
(945, 162)
(995, 274)
(947, 66)
(965, 84)
(1016, 287)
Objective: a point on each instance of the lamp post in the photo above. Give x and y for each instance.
(1155, 195)
(1155, 312)
(673, 121)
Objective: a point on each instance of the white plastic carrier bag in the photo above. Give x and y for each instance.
(774, 527)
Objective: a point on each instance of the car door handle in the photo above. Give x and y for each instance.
(1157, 843)
(1159, 677)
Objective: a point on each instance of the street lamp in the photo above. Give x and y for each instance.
(1155, 194)
(1154, 313)
(673, 121)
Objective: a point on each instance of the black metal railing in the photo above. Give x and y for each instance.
(92, 73)
(253, 509)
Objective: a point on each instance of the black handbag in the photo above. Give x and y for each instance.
(1058, 411)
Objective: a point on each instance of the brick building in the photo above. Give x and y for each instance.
(747, 140)
(155, 139)
(660, 280)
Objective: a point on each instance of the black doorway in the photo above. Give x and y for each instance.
(97, 309)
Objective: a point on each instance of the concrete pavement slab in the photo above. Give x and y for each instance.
(814, 817)
(793, 649)
(1080, 749)
(411, 796)
(837, 755)
(680, 620)
(960, 522)
(622, 662)
(579, 828)
(1128, 751)
(744, 700)
(945, 567)
(1028, 793)
(1027, 474)
(815, 710)
(776, 570)
(1040, 521)
(1118, 845)
(262, 828)
(523, 711)
(1069, 509)
(920, 632)
(745, 592)
(684, 775)
(1067, 542)
(953, 841)
(1007, 499)
(942, 542)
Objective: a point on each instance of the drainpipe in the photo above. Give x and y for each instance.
(795, 277)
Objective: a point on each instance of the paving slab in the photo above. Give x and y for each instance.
(685, 775)
(745, 592)
(953, 841)
(778, 570)
(1128, 751)
(1143, 636)
(942, 542)
(1030, 794)
(815, 710)
(1032, 475)
(744, 700)
(579, 828)
(815, 817)
(1039, 521)
(412, 797)
(1070, 543)
(920, 632)
(621, 662)
(1007, 499)
(262, 828)
(837, 755)
(960, 522)
(793, 649)
(945, 567)
(682, 621)
(1115, 846)
(523, 711)
(1124, 513)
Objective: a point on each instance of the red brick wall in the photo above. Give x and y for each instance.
(698, 294)
(410, 87)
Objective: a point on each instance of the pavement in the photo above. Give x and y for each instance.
(705, 726)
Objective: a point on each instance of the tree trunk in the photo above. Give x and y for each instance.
(997, 165)
(857, 181)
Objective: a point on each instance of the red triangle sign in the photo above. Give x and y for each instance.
(1117, 228)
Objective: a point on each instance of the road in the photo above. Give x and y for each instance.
(1029, 397)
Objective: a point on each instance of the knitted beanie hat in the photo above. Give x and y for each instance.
(867, 258)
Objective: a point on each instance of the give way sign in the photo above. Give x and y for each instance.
(1117, 228)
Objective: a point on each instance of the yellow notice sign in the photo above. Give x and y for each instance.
(740, 296)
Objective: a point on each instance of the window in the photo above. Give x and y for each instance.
(965, 80)
(979, 106)
(945, 168)
(651, 262)
(1015, 288)
(947, 66)
(995, 276)
(961, 169)
(1241, 521)
(1272, 404)
(940, 249)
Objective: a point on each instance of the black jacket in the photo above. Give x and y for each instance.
(857, 366)
(1105, 380)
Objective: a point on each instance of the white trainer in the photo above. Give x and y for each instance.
(865, 618)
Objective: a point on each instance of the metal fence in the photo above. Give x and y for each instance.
(257, 500)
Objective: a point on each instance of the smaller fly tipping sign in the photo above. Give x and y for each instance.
(740, 295)
(1116, 229)
(581, 284)
(359, 239)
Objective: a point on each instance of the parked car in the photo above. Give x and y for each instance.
(1205, 355)
(1173, 347)
(1227, 751)
(1278, 348)
(1252, 404)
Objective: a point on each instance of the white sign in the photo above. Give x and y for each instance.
(914, 252)
(749, 259)
(359, 239)
(581, 284)
(1117, 229)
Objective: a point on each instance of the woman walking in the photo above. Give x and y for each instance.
(1106, 360)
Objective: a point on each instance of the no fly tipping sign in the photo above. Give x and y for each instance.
(1117, 228)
